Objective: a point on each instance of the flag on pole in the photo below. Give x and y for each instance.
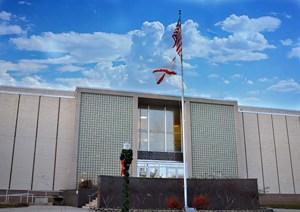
(162, 73)
(177, 37)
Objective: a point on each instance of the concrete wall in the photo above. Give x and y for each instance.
(8, 113)
(38, 143)
(272, 150)
(37, 147)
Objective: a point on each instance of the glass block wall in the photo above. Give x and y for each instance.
(213, 141)
(106, 123)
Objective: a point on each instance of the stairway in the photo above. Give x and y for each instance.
(92, 204)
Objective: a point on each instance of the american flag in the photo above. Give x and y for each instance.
(178, 38)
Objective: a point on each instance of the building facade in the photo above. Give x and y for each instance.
(52, 140)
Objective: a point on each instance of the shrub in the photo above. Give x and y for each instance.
(200, 202)
(173, 202)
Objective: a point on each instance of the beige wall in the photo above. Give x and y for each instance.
(253, 156)
(272, 146)
(38, 147)
(66, 161)
(37, 141)
(8, 113)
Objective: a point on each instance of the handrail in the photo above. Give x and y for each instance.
(92, 195)
(21, 195)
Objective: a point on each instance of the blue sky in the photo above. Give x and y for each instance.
(243, 50)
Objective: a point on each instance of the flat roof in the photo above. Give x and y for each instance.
(263, 110)
(154, 96)
(72, 94)
(37, 91)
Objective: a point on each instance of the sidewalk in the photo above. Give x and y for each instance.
(39, 208)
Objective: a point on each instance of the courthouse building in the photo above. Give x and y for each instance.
(51, 140)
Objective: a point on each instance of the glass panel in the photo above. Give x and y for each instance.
(143, 141)
(177, 130)
(157, 119)
(180, 173)
(171, 173)
(170, 121)
(157, 142)
(157, 129)
(143, 125)
(162, 172)
(170, 142)
(144, 118)
(142, 172)
(153, 172)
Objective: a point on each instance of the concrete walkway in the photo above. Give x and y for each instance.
(44, 209)
(72, 209)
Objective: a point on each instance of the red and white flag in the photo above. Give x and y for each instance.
(162, 73)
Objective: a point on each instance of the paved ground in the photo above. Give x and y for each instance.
(44, 209)
(71, 209)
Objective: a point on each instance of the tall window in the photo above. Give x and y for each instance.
(160, 129)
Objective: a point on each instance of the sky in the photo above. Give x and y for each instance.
(243, 50)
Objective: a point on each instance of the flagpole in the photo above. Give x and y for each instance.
(183, 130)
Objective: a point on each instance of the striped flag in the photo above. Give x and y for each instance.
(178, 38)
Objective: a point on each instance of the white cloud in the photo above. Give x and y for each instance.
(289, 85)
(5, 16)
(6, 29)
(70, 68)
(267, 79)
(294, 53)
(140, 50)
(24, 3)
(22, 67)
(250, 82)
(83, 47)
(236, 76)
(226, 82)
(243, 23)
(286, 42)
(246, 42)
(213, 76)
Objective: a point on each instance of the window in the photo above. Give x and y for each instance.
(159, 169)
(159, 129)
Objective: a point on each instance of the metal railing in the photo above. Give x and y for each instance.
(92, 196)
(29, 196)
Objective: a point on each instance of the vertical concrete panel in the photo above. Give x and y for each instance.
(66, 160)
(25, 140)
(135, 137)
(268, 154)
(188, 139)
(45, 145)
(293, 124)
(8, 112)
(240, 145)
(253, 149)
(283, 154)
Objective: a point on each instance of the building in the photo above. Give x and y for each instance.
(51, 140)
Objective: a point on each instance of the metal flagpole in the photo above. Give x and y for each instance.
(183, 128)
